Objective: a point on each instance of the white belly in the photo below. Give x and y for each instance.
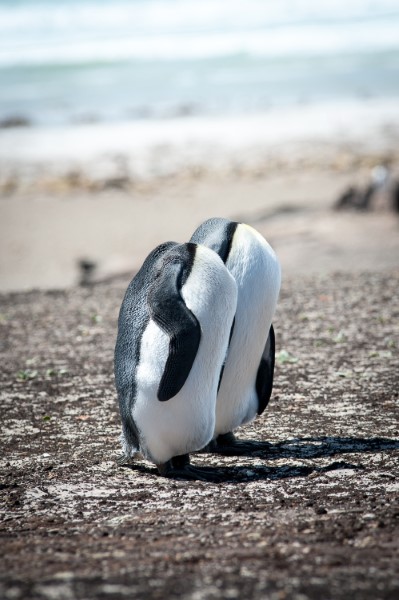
(256, 270)
(186, 422)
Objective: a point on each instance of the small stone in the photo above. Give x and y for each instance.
(320, 510)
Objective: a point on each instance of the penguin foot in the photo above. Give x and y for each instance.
(228, 445)
(179, 467)
(122, 459)
(125, 459)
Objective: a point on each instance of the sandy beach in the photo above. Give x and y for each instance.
(68, 194)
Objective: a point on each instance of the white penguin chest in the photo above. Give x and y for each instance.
(256, 271)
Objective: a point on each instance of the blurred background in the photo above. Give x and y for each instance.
(124, 123)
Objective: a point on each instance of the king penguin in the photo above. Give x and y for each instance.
(173, 333)
(247, 378)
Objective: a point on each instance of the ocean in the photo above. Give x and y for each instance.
(83, 61)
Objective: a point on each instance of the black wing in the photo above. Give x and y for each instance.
(133, 319)
(264, 377)
(169, 311)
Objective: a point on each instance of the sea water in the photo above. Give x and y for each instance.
(80, 61)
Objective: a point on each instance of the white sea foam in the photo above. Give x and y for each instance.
(114, 59)
(163, 147)
(69, 32)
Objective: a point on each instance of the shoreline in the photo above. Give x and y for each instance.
(139, 153)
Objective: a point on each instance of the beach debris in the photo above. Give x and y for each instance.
(14, 121)
(86, 269)
(91, 271)
(395, 196)
(361, 198)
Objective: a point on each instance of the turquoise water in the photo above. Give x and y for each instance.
(74, 61)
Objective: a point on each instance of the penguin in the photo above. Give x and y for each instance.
(247, 379)
(173, 333)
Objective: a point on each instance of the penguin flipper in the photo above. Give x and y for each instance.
(264, 377)
(169, 311)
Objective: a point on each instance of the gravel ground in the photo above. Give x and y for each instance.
(314, 515)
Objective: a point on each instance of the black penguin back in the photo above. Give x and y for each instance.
(133, 319)
(155, 293)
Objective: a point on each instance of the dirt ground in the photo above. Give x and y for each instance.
(314, 515)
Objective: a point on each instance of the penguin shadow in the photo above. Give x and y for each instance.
(298, 448)
(324, 447)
